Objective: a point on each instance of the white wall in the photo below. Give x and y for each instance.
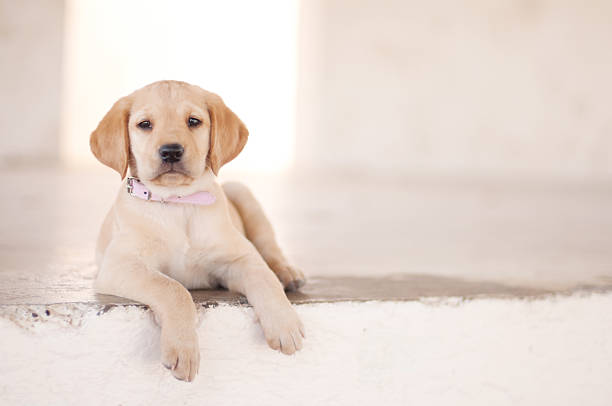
(511, 87)
(474, 86)
(30, 79)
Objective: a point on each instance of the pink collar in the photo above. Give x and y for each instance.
(137, 189)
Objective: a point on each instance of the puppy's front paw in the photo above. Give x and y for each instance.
(283, 329)
(180, 352)
(291, 277)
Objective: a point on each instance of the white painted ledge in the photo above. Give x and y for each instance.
(554, 350)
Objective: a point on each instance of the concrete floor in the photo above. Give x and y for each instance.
(426, 236)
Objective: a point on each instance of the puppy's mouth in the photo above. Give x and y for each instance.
(172, 175)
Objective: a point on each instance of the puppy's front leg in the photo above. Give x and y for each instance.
(123, 273)
(248, 274)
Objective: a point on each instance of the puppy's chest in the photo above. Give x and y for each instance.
(195, 239)
(186, 225)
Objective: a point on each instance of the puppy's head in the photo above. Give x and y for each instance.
(168, 133)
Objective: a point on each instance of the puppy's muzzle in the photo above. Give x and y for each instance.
(170, 153)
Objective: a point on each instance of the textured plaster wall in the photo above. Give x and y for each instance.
(512, 87)
(555, 351)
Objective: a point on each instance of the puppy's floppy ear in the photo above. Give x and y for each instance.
(110, 142)
(228, 134)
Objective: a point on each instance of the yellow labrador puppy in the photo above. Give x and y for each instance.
(173, 227)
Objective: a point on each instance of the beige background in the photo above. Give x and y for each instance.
(516, 88)
(31, 35)
(477, 87)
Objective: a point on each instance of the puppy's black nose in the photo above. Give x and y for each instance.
(171, 152)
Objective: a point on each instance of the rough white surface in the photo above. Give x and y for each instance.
(490, 351)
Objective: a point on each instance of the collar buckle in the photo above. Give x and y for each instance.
(130, 185)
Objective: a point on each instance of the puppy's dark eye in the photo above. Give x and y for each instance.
(193, 122)
(145, 125)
